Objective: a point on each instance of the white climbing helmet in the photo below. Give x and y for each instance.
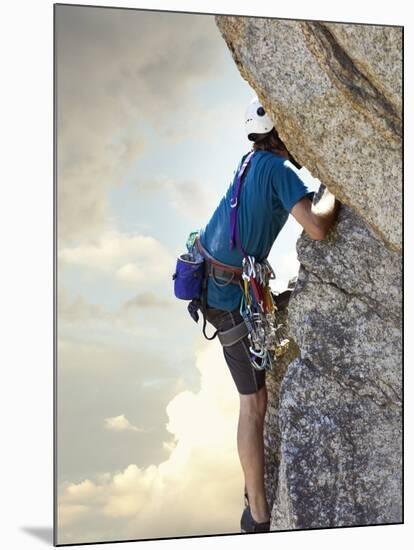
(256, 121)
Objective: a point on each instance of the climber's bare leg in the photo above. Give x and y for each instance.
(251, 453)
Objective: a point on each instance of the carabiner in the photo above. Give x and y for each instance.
(260, 354)
(264, 364)
(271, 272)
(252, 270)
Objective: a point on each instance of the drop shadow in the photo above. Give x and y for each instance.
(43, 533)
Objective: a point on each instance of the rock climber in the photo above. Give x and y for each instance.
(272, 189)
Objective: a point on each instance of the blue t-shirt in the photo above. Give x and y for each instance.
(271, 187)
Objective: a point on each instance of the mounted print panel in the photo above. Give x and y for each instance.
(290, 418)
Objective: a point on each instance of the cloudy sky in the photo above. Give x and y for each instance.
(150, 112)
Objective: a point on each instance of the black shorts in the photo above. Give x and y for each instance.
(246, 377)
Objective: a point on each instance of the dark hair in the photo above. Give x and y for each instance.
(272, 142)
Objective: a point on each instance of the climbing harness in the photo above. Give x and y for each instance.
(258, 309)
(191, 279)
(257, 306)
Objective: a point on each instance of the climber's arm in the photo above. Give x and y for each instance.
(316, 219)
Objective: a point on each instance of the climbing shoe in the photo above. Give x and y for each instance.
(246, 498)
(250, 525)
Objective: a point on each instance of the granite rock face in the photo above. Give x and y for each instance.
(272, 435)
(334, 93)
(340, 402)
(333, 425)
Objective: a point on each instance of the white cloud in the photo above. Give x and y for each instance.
(190, 198)
(120, 424)
(286, 266)
(180, 496)
(130, 273)
(146, 300)
(71, 514)
(121, 73)
(209, 122)
(79, 309)
(129, 258)
(81, 491)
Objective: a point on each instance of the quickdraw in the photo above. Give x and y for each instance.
(258, 309)
(267, 336)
